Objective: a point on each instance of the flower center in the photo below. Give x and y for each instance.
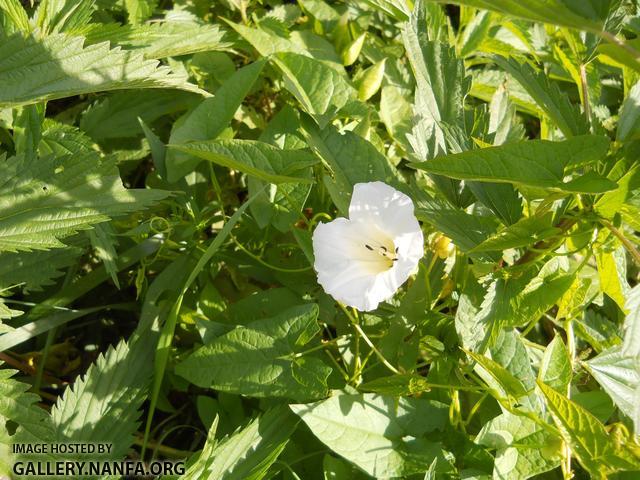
(381, 256)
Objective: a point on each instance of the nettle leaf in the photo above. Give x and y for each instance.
(34, 270)
(596, 450)
(60, 66)
(116, 116)
(321, 90)
(254, 158)
(71, 194)
(537, 163)
(523, 448)
(249, 452)
(18, 406)
(583, 16)
(104, 406)
(209, 118)
(262, 360)
(384, 436)
(547, 95)
(619, 375)
(5, 314)
(160, 40)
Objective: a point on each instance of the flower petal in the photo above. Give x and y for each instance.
(385, 206)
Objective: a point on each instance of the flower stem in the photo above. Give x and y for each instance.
(360, 331)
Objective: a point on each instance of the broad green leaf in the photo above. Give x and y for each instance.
(517, 301)
(160, 40)
(351, 158)
(579, 15)
(384, 436)
(71, 193)
(537, 163)
(262, 359)
(139, 10)
(612, 202)
(54, 16)
(249, 452)
(593, 446)
(629, 117)
(257, 159)
(34, 270)
(498, 378)
(547, 95)
(209, 119)
(612, 271)
(60, 66)
(525, 232)
(555, 367)
(321, 90)
(619, 376)
(116, 116)
(523, 448)
(264, 42)
(631, 344)
(104, 406)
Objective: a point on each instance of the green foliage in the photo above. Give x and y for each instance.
(164, 167)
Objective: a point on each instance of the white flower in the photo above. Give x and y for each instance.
(363, 260)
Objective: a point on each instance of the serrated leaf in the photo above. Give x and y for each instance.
(260, 359)
(537, 163)
(104, 406)
(59, 66)
(254, 158)
(160, 40)
(13, 17)
(71, 193)
(547, 96)
(248, 453)
(321, 90)
(33, 270)
(384, 436)
(116, 116)
(619, 376)
(589, 440)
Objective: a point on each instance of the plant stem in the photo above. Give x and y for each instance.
(631, 248)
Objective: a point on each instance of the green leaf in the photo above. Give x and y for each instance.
(629, 117)
(160, 40)
(631, 344)
(104, 406)
(579, 15)
(18, 406)
(116, 116)
(34, 270)
(71, 193)
(249, 452)
(321, 90)
(13, 17)
(59, 66)
(523, 233)
(588, 438)
(262, 359)
(555, 367)
(619, 376)
(351, 158)
(257, 159)
(497, 377)
(53, 16)
(384, 436)
(609, 204)
(547, 95)
(537, 163)
(612, 271)
(209, 119)
(523, 448)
